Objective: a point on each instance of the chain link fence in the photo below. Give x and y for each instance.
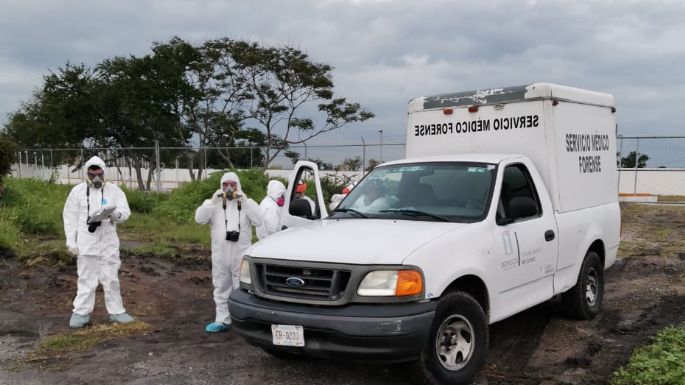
(660, 168)
(164, 168)
(651, 165)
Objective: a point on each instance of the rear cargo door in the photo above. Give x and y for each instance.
(304, 201)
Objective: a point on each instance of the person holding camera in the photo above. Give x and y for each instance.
(230, 215)
(95, 243)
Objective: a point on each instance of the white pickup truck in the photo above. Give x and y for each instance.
(507, 198)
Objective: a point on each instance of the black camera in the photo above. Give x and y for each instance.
(232, 236)
(93, 226)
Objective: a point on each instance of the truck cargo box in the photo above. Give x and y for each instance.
(565, 131)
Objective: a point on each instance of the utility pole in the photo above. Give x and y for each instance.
(363, 157)
(381, 133)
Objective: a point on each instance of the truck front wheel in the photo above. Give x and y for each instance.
(584, 300)
(458, 341)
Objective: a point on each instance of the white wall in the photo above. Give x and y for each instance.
(171, 178)
(657, 181)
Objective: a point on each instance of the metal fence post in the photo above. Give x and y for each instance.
(363, 156)
(637, 157)
(158, 167)
(81, 163)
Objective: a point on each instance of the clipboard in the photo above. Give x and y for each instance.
(102, 214)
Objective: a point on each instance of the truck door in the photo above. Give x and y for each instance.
(304, 201)
(525, 238)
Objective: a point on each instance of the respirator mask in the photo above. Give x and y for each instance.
(97, 180)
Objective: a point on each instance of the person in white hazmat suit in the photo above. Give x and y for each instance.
(96, 245)
(271, 207)
(230, 215)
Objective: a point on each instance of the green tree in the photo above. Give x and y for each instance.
(294, 156)
(321, 164)
(8, 156)
(222, 93)
(291, 98)
(60, 114)
(137, 109)
(629, 160)
(350, 164)
(371, 164)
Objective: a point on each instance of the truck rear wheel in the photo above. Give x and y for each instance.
(458, 341)
(584, 300)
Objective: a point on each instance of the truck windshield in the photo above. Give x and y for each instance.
(441, 191)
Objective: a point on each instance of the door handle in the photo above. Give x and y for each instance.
(549, 235)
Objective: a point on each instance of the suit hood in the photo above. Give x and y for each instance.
(275, 189)
(95, 161)
(230, 176)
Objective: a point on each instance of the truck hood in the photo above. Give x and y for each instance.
(356, 241)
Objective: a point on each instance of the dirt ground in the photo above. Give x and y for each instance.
(645, 292)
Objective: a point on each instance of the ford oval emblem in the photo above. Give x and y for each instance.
(294, 282)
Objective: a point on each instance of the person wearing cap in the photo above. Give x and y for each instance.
(230, 215)
(95, 243)
(271, 207)
(300, 190)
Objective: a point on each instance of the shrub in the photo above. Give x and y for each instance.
(35, 206)
(9, 233)
(143, 202)
(661, 362)
(8, 155)
(181, 203)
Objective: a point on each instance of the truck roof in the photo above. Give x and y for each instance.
(536, 91)
(478, 158)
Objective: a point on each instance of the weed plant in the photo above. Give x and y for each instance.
(660, 362)
(31, 210)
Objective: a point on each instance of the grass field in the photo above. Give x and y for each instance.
(31, 216)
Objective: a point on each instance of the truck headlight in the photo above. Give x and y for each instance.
(383, 283)
(245, 273)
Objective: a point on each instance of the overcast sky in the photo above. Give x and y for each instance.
(386, 52)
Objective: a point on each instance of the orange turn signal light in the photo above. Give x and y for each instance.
(409, 282)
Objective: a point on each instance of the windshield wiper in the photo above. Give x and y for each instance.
(415, 213)
(343, 210)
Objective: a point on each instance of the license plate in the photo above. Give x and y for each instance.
(287, 335)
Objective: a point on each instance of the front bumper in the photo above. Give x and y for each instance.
(389, 332)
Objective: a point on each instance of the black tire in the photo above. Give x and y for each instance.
(458, 315)
(584, 300)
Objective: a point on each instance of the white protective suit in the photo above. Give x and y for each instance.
(227, 255)
(271, 210)
(98, 252)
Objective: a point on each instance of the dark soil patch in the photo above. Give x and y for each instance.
(645, 292)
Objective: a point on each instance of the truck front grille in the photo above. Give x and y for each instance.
(303, 283)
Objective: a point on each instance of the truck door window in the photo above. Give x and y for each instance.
(303, 198)
(516, 183)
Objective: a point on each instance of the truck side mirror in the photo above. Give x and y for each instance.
(301, 208)
(522, 207)
(519, 207)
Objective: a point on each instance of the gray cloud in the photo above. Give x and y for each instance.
(384, 52)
